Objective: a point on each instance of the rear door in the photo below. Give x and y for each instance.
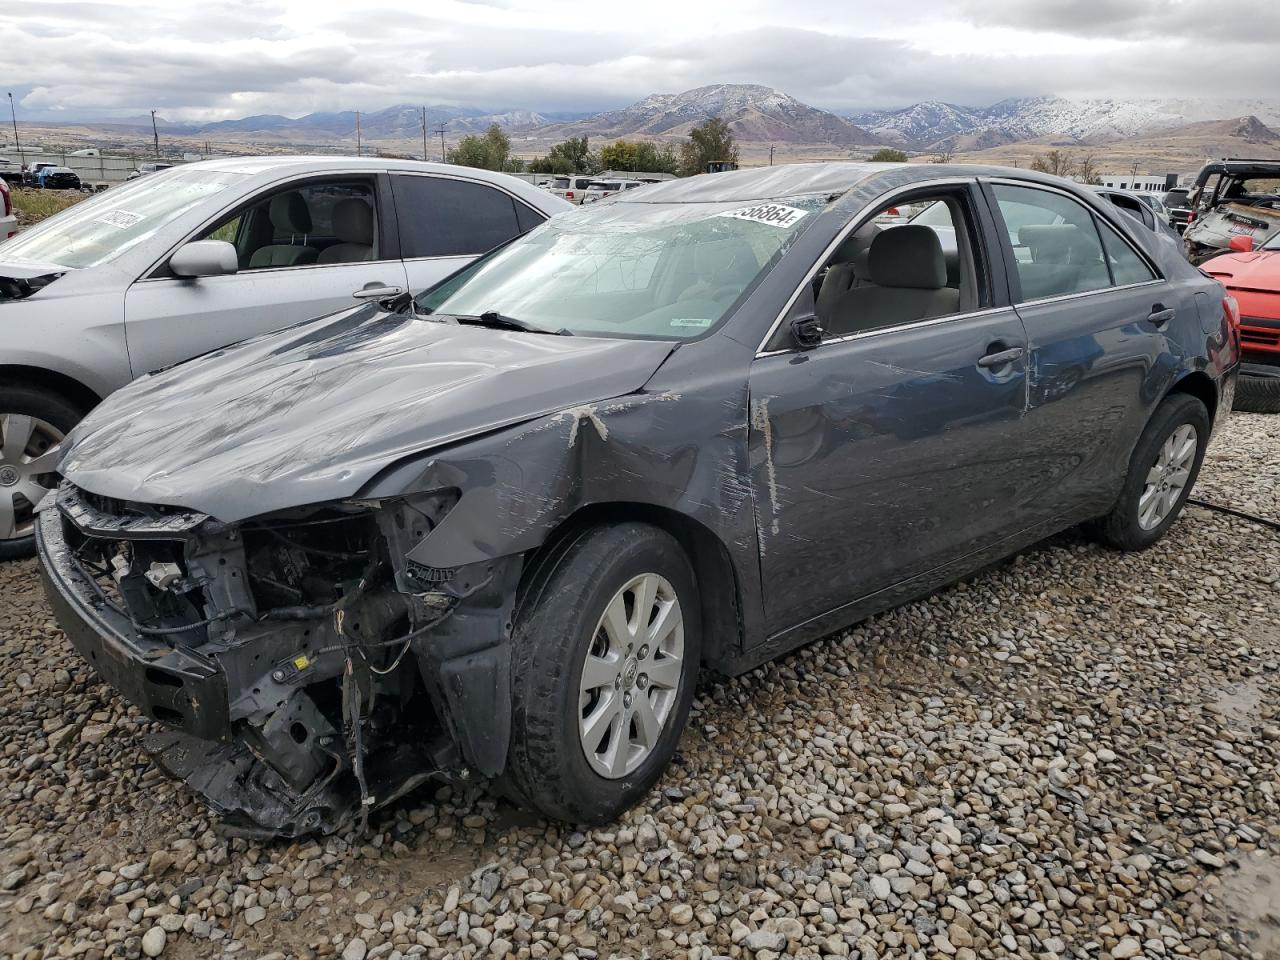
(299, 257)
(446, 222)
(1097, 314)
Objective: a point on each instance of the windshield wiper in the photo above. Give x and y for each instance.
(500, 321)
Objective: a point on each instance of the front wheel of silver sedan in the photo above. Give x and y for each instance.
(32, 425)
(605, 655)
(1162, 471)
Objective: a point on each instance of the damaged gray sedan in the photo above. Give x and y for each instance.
(495, 532)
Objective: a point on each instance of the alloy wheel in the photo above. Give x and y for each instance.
(631, 676)
(28, 456)
(1168, 476)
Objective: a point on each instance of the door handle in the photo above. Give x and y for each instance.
(1000, 358)
(1160, 315)
(377, 291)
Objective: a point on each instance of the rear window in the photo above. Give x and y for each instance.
(440, 217)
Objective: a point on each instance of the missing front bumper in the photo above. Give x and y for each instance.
(280, 723)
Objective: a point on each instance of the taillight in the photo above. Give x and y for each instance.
(568, 194)
(1232, 310)
(892, 212)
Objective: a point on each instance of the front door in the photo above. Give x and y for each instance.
(897, 445)
(304, 250)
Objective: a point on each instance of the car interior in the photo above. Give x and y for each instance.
(326, 222)
(1058, 245)
(885, 275)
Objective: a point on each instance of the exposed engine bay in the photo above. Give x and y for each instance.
(300, 667)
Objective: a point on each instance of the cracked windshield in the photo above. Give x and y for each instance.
(637, 270)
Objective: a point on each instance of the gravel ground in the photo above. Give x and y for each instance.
(1073, 754)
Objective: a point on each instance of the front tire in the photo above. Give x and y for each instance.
(1162, 471)
(32, 423)
(606, 649)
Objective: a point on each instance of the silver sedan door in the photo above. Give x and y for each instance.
(304, 249)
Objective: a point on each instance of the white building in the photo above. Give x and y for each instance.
(1141, 182)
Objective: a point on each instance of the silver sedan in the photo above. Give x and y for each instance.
(187, 260)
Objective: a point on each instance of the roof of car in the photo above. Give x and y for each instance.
(799, 179)
(255, 165)
(270, 167)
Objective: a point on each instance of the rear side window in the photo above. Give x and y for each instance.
(1055, 242)
(1126, 265)
(440, 217)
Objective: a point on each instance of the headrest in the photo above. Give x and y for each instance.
(907, 256)
(289, 213)
(353, 221)
(855, 247)
(1052, 242)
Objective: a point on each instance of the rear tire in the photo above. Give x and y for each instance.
(1161, 473)
(52, 417)
(1257, 394)
(577, 752)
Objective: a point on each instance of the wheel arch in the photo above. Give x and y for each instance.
(1200, 385)
(719, 593)
(16, 374)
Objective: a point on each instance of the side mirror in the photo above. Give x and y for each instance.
(806, 331)
(204, 258)
(1241, 244)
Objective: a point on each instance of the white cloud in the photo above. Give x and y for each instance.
(201, 61)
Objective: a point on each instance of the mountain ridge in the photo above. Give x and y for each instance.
(932, 124)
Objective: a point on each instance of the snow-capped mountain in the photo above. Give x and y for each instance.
(921, 123)
(754, 113)
(1098, 120)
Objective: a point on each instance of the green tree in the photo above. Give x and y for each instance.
(490, 151)
(638, 157)
(571, 156)
(888, 155)
(712, 140)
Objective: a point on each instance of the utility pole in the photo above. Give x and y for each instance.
(771, 154)
(440, 130)
(155, 133)
(22, 157)
(424, 133)
(358, 133)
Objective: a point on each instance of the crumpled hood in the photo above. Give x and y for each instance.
(310, 413)
(26, 269)
(19, 279)
(1259, 270)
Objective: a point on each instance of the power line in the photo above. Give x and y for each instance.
(155, 133)
(424, 133)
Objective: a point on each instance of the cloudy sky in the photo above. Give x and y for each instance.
(216, 60)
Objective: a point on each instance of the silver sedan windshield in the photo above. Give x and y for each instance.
(668, 270)
(102, 228)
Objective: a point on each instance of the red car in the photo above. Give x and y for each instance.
(1253, 278)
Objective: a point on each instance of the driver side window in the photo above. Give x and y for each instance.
(914, 260)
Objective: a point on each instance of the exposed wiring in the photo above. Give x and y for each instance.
(1233, 512)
